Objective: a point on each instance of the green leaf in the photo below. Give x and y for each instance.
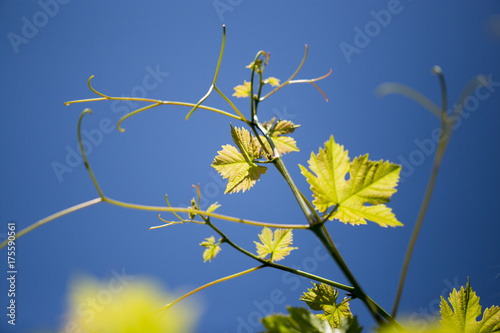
(238, 166)
(277, 130)
(272, 81)
(246, 142)
(363, 196)
(242, 90)
(280, 127)
(322, 294)
(300, 320)
(213, 207)
(466, 309)
(277, 245)
(323, 297)
(212, 248)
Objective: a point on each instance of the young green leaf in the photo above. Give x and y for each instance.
(363, 196)
(242, 90)
(248, 145)
(211, 248)
(274, 82)
(323, 297)
(299, 320)
(280, 127)
(277, 245)
(466, 309)
(277, 130)
(238, 166)
(213, 207)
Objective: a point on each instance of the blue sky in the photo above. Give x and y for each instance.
(168, 50)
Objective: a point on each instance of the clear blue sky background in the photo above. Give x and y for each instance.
(162, 153)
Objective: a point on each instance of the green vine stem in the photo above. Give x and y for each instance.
(155, 102)
(428, 192)
(163, 309)
(242, 118)
(212, 214)
(447, 125)
(274, 265)
(53, 217)
(376, 311)
(291, 81)
(277, 161)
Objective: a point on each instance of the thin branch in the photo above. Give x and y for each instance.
(428, 192)
(205, 213)
(166, 307)
(53, 217)
(84, 155)
(277, 266)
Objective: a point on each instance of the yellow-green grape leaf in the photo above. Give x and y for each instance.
(243, 90)
(280, 127)
(466, 309)
(272, 81)
(276, 245)
(334, 313)
(238, 166)
(277, 130)
(213, 207)
(373, 183)
(330, 166)
(284, 144)
(248, 145)
(323, 297)
(363, 196)
(241, 175)
(211, 248)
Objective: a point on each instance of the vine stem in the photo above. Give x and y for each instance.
(53, 217)
(277, 161)
(277, 266)
(448, 123)
(155, 102)
(376, 310)
(166, 307)
(148, 208)
(212, 87)
(202, 212)
(445, 135)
